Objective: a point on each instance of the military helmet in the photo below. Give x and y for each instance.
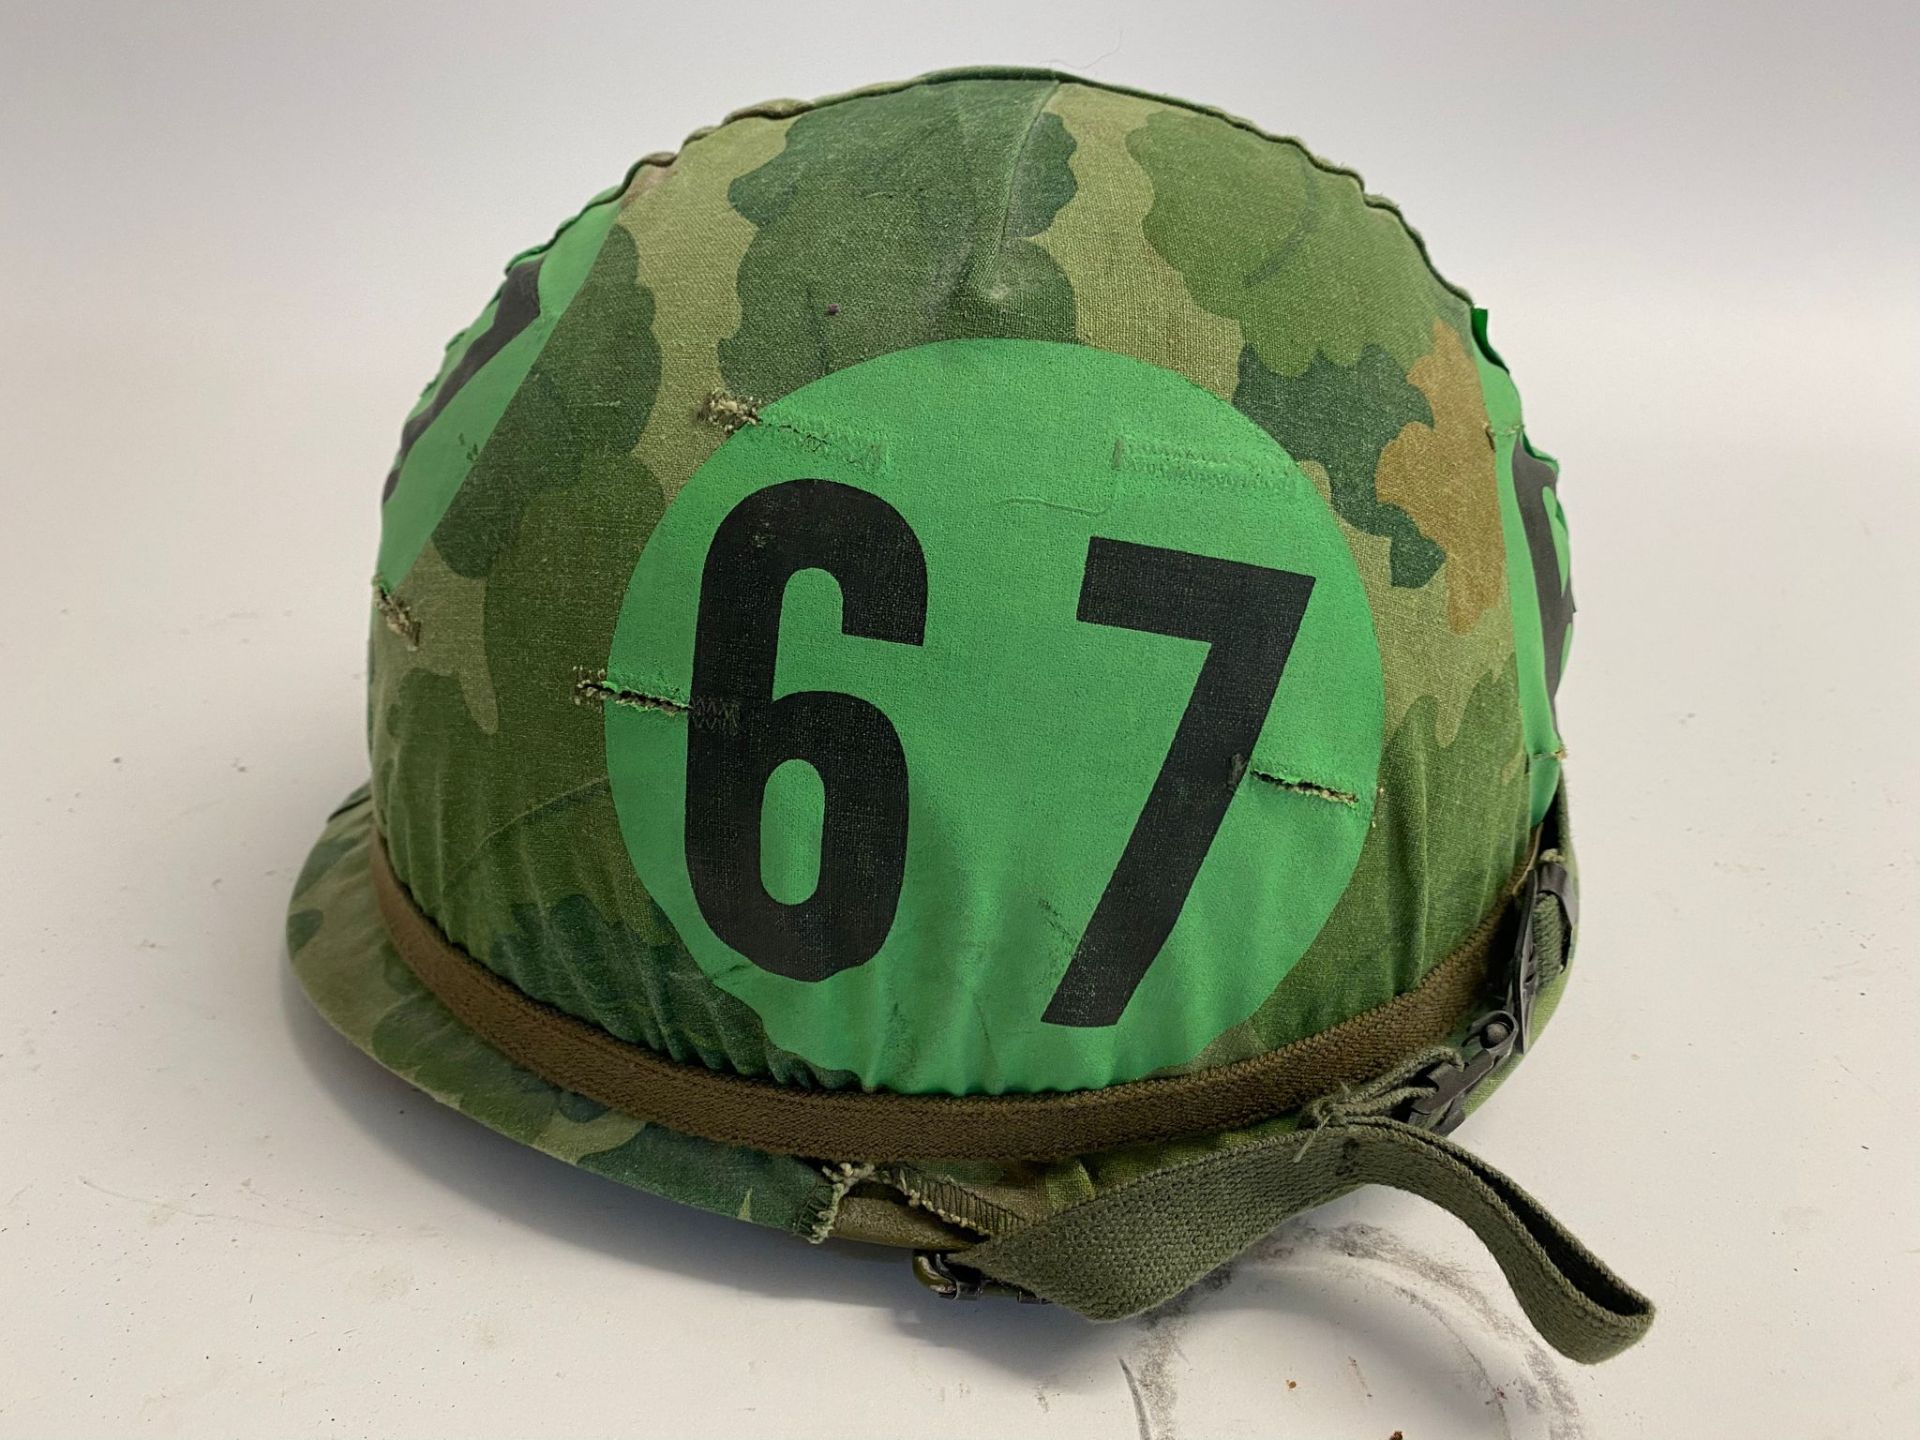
(971, 666)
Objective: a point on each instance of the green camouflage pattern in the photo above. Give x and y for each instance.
(342, 955)
(794, 240)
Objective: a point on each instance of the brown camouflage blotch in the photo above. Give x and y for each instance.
(1443, 476)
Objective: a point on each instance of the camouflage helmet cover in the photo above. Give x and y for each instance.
(1184, 338)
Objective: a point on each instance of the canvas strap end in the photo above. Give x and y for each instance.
(1141, 1243)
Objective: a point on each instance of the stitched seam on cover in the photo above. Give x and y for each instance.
(594, 687)
(918, 1188)
(863, 452)
(919, 1200)
(1013, 170)
(734, 413)
(842, 1178)
(1311, 788)
(400, 620)
(1135, 456)
(597, 687)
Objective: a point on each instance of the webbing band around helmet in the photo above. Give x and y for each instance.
(856, 1125)
(1146, 1240)
(1138, 1243)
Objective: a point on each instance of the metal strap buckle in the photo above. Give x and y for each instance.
(1500, 1034)
(1549, 877)
(951, 1280)
(1487, 1047)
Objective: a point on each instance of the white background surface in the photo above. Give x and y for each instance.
(233, 240)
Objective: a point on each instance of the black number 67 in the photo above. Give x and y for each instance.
(1249, 615)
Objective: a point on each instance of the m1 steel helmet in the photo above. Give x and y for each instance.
(971, 666)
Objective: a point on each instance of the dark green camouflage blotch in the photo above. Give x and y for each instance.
(772, 1189)
(1343, 417)
(302, 926)
(420, 1039)
(937, 210)
(586, 397)
(513, 308)
(550, 518)
(908, 214)
(1293, 249)
(320, 860)
(343, 958)
(579, 1109)
(1042, 181)
(626, 982)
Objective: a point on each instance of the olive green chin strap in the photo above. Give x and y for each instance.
(1145, 1241)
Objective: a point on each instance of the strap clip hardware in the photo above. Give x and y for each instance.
(1548, 877)
(951, 1280)
(1488, 1045)
(1501, 1034)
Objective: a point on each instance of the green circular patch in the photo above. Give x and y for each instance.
(996, 715)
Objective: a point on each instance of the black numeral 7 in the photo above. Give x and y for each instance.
(1250, 616)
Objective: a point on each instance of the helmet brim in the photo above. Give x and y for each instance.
(343, 958)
